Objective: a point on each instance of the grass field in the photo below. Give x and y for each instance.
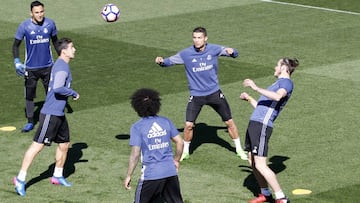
(315, 141)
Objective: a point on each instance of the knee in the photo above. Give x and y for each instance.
(230, 123)
(189, 126)
(64, 147)
(261, 167)
(35, 147)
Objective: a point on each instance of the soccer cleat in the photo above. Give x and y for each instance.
(27, 127)
(19, 186)
(262, 198)
(242, 155)
(185, 156)
(60, 181)
(283, 200)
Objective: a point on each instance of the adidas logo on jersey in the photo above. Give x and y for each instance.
(156, 131)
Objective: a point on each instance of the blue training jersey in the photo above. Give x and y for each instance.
(37, 38)
(59, 89)
(201, 67)
(267, 110)
(153, 135)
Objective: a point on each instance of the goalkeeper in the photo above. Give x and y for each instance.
(37, 33)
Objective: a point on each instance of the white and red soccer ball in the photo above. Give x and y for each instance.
(110, 13)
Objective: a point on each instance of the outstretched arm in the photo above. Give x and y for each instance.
(232, 52)
(172, 60)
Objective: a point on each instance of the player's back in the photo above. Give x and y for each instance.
(153, 134)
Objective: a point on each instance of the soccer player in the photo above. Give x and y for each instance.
(53, 125)
(37, 33)
(259, 130)
(201, 67)
(151, 138)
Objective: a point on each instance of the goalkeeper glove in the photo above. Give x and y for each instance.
(19, 67)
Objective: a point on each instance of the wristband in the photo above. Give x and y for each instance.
(249, 99)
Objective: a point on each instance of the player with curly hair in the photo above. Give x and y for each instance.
(150, 139)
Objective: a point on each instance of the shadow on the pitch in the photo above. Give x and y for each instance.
(122, 136)
(204, 133)
(74, 156)
(276, 164)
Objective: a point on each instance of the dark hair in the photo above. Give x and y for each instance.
(200, 29)
(146, 102)
(35, 3)
(62, 44)
(290, 63)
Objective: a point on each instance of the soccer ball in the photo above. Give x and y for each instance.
(110, 13)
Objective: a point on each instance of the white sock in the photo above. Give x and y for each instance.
(265, 191)
(58, 172)
(186, 146)
(22, 175)
(279, 195)
(237, 145)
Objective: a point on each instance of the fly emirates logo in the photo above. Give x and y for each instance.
(203, 67)
(39, 40)
(156, 132)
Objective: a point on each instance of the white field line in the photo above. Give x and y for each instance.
(312, 7)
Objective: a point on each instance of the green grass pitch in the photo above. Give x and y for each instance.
(315, 141)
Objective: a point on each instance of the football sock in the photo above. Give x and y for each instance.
(265, 191)
(22, 175)
(30, 106)
(279, 194)
(186, 146)
(237, 145)
(58, 172)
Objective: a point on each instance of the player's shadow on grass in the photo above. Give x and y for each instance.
(276, 164)
(38, 105)
(122, 136)
(74, 156)
(204, 133)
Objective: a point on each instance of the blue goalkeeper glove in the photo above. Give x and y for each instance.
(19, 67)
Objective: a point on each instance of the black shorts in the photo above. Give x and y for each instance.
(216, 100)
(52, 129)
(257, 138)
(152, 191)
(31, 78)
